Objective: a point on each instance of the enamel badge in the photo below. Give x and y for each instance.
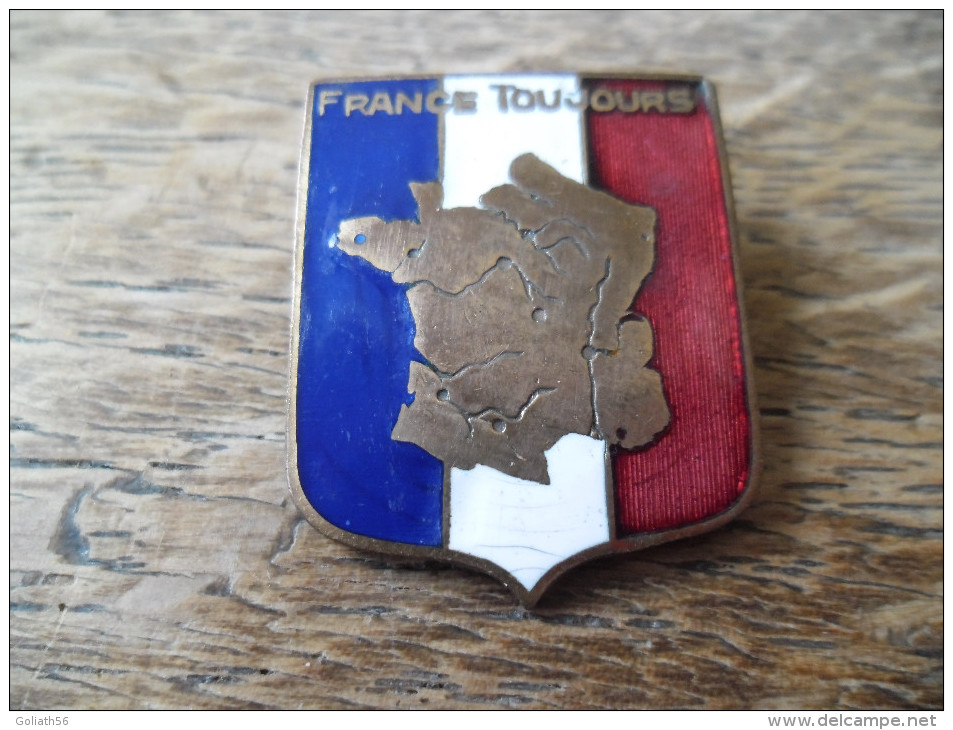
(517, 331)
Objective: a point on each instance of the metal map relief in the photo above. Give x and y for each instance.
(517, 338)
(519, 310)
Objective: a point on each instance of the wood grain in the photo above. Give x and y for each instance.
(157, 560)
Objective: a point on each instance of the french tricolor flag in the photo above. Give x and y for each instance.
(648, 141)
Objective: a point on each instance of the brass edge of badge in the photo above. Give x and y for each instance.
(754, 431)
(616, 545)
(304, 164)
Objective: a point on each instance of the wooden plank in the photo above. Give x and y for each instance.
(157, 560)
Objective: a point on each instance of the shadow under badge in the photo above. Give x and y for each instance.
(517, 335)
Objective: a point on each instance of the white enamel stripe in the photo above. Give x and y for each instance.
(527, 528)
(524, 527)
(479, 146)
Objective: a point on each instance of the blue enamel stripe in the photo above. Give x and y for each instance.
(356, 328)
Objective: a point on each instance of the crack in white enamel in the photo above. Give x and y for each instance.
(527, 528)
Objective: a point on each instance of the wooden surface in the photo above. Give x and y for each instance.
(157, 560)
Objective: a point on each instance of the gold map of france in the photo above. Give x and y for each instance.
(522, 312)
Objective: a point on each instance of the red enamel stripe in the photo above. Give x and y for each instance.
(700, 465)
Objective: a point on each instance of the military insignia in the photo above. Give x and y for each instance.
(517, 330)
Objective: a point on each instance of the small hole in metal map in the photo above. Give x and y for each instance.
(499, 426)
(360, 238)
(443, 394)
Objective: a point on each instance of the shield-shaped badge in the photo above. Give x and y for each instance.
(517, 330)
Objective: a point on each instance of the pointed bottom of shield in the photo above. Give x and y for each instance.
(527, 529)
